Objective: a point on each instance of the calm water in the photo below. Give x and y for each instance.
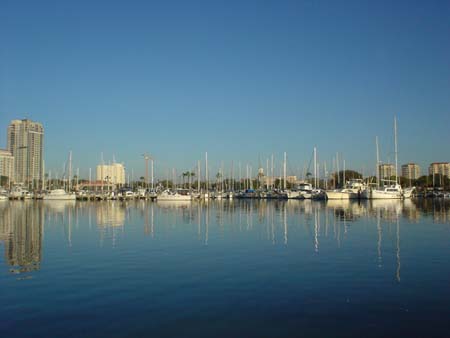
(231, 269)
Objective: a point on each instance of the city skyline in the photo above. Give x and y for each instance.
(238, 80)
(118, 173)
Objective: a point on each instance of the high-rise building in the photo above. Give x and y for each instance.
(386, 170)
(26, 143)
(111, 173)
(441, 168)
(7, 165)
(411, 171)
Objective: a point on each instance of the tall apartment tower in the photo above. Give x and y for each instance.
(411, 171)
(441, 168)
(112, 173)
(387, 170)
(7, 165)
(26, 143)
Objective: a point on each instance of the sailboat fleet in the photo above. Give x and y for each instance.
(354, 188)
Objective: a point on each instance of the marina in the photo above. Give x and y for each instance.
(224, 169)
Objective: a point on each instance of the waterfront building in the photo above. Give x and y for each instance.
(440, 168)
(7, 165)
(111, 173)
(26, 143)
(386, 170)
(411, 171)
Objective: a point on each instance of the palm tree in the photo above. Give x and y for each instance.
(191, 175)
(184, 175)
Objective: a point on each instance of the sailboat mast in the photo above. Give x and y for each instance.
(378, 163)
(206, 171)
(337, 169)
(396, 150)
(272, 181)
(70, 170)
(315, 167)
(198, 176)
(284, 172)
(343, 179)
(153, 176)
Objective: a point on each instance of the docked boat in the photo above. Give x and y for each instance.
(352, 190)
(59, 195)
(18, 193)
(408, 192)
(294, 194)
(305, 190)
(248, 193)
(393, 191)
(168, 195)
(3, 198)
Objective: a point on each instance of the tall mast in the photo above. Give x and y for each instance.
(101, 170)
(315, 167)
(206, 171)
(272, 181)
(153, 177)
(378, 163)
(343, 177)
(337, 169)
(43, 177)
(70, 170)
(240, 176)
(396, 150)
(284, 172)
(198, 175)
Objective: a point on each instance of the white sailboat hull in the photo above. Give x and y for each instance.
(341, 195)
(67, 197)
(174, 197)
(386, 195)
(59, 195)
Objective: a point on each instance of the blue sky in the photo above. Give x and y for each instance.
(239, 79)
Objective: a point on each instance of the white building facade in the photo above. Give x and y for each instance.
(7, 165)
(111, 173)
(26, 143)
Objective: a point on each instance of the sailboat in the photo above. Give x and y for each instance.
(390, 189)
(177, 195)
(59, 195)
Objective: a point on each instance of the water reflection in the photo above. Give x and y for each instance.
(21, 231)
(321, 224)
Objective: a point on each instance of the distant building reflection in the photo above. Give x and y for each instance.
(110, 214)
(439, 208)
(21, 230)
